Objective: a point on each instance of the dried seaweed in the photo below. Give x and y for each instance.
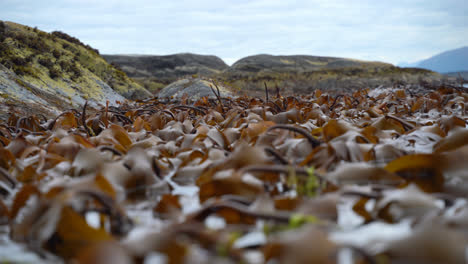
(194, 181)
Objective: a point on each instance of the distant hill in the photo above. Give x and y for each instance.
(449, 61)
(295, 63)
(303, 73)
(155, 72)
(50, 72)
(292, 73)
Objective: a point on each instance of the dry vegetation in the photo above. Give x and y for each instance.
(243, 180)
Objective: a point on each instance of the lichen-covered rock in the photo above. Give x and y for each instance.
(195, 88)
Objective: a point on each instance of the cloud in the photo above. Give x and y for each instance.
(364, 29)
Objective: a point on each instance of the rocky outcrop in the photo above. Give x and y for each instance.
(20, 96)
(51, 72)
(194, 88)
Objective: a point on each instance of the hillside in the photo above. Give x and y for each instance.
(455, 60)
(155, 72)
(295, 73)
(294, 63)
(302, 74)
(50, 72)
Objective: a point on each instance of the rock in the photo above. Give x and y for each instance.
(195, 88)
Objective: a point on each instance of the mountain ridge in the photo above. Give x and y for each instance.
(449, 61)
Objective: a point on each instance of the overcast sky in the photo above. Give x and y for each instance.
(392, 31)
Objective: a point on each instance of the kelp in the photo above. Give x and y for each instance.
(242, 180)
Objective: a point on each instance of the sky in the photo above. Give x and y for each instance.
(392, 31)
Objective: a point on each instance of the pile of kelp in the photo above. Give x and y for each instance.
(375, 176)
